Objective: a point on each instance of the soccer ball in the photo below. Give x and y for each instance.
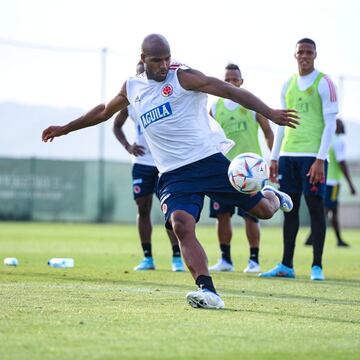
(248, 173)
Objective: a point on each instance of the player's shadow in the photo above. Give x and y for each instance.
(293, 297)
(287, 315)
(136, 279)
(143, 281)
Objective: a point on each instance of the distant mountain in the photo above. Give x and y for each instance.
(22, 125)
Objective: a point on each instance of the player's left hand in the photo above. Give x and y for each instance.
(285, 117)
(317, 172)
(274, 171)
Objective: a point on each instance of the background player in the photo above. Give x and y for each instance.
(240, 125)
(301, 167)
(145, 177)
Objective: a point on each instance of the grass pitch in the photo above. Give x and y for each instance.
(102, 309)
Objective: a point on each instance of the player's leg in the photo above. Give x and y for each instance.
(223, 214)
(224, 231)
(252, 228)
(176, 262)
(183, 224)
(290, 230)
(291, 184)
(193, 253)
(261, 205)
(272, 201)
(318, 226)
(143, 218)
(336, 226)
(144, 178)
(144, 226)
(332, 209)
(330, 198)
(181, 193)
(316, 209)
(294, 180)
(315, 200)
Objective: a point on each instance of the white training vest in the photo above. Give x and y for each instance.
(147, 158)
(175, 121)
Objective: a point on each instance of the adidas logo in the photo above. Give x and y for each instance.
(137, 99)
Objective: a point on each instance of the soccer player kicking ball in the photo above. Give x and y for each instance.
(170, 102)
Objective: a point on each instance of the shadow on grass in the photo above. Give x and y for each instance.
(287, 315)
(138, 280)
(276, 295)
(330, 281)
(305, 279)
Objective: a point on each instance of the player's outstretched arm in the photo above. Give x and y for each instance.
(93, 117)
(195, 80)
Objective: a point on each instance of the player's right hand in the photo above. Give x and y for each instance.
(286, 117)
(51, 132)
(135, 149)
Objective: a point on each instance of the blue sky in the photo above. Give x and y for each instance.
(257, 35)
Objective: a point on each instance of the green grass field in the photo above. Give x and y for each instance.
(102, 309)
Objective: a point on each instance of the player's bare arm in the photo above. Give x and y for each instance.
(119, 122)
(266, 128)
(191, 79)
(93, 117)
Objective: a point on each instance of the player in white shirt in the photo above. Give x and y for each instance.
(170, 101)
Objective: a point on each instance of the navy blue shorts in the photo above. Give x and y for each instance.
(185, 188)
(145, 180)
(332, 196)
(293, 178)
(217, 209)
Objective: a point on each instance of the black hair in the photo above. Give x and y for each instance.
(232, 67)
(306, 41)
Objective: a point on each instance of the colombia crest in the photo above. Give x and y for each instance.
(167, 90)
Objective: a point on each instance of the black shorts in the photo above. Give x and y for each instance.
(145, 180)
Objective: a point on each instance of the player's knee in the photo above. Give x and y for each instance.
(262, 212)
(144, 207)
(180, 228)
(144, 210)
(316, 206)
(182, 224)
(266, 214)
